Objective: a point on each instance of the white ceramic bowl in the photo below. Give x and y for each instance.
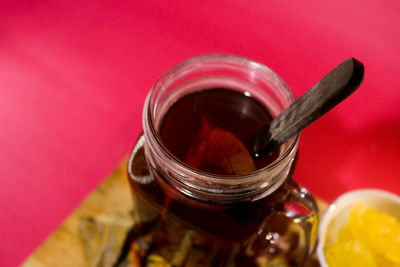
(337, 214)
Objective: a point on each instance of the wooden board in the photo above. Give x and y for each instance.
(64, 246)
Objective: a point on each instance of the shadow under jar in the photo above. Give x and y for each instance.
(201, 198)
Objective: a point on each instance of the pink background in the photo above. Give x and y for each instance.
(73, 78)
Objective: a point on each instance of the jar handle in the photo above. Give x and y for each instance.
(303, 210)
(138, 169)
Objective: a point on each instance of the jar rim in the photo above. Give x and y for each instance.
(151, 132)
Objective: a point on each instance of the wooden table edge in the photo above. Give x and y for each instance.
(64, 244)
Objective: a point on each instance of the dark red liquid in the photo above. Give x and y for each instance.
(221, 228)
(225, 109)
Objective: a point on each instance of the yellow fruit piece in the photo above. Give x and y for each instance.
(370, 238)
(349, 253)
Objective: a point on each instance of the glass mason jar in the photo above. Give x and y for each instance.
(187, 217)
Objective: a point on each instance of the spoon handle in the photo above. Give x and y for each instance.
(337, 85)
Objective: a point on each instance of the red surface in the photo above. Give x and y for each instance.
(74, 76)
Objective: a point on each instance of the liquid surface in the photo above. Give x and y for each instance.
(214, 130)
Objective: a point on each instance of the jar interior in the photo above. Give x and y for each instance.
(252, 79)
